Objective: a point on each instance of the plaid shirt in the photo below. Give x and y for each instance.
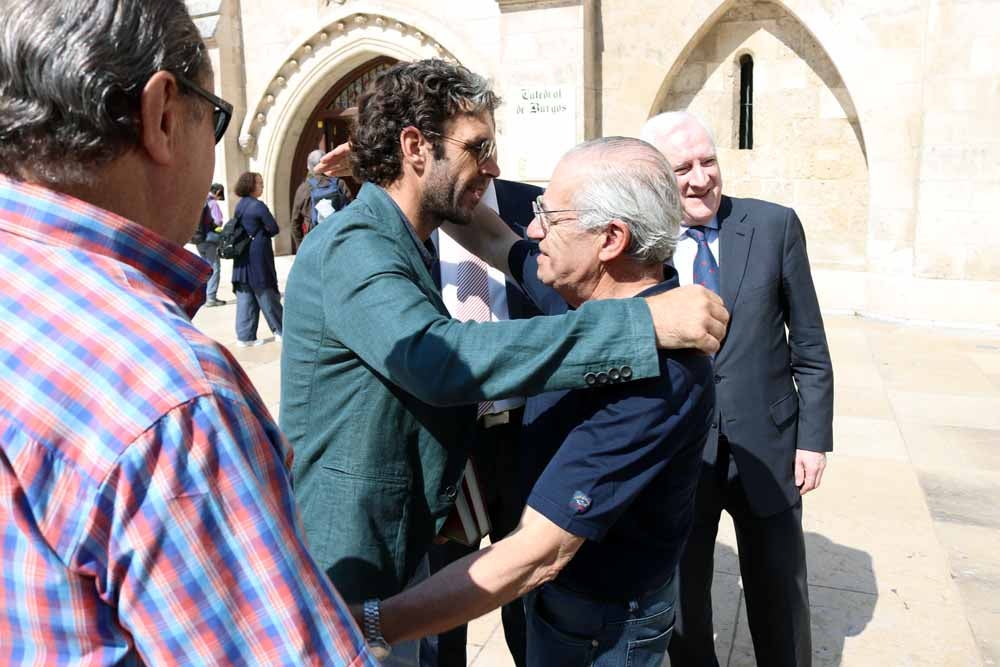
(146, 514)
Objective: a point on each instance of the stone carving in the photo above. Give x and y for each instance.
(312, 47)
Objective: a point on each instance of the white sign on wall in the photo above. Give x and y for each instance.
(541, 126)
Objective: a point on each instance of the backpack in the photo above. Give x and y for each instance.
(328, 189)
(205, 223)
(234, 241)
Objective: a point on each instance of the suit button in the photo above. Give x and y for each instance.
(614, 375)
(718, 379)
(626, 372)
(451, 492)
(590, 379)
(602, 378)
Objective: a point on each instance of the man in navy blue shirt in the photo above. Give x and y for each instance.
(614, 466)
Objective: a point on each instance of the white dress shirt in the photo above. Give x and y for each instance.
(687, 248)
(451, 254)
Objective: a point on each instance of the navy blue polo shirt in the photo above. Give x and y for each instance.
(618, 463)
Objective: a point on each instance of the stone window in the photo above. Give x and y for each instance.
(746, 102)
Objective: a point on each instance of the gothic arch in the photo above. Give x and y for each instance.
(836, 38)
(810, 152)
(348, 39)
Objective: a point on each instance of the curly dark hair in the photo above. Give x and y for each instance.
(423, 94)
(246, 183)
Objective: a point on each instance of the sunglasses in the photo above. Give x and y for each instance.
(484, 151)
(222, 112)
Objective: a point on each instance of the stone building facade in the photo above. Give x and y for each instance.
(878, 120)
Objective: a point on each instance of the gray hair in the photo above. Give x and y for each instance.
(71, 76)
(629, 180)
(657, 128)
(313, 159)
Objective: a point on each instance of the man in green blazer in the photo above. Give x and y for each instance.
(379, 385)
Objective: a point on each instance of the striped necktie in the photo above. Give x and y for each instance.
(473, 283)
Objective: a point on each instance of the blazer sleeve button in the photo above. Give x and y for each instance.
(590, 379)
(626, 372)
(602, 378)
(450, 491)
(614, 375)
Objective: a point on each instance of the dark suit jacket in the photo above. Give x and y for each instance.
(514, 201)
(774, 393)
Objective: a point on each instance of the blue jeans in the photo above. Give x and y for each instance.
(210, 253)
(249, 304)
(566, 629)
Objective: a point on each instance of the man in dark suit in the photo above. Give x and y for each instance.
(498, 434)
(774, 413)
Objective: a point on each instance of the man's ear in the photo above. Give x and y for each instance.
(412, 144)
(616, 239)
(160, 114)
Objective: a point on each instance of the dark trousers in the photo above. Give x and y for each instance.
(498, 467)
(249, 305)
(773, 567)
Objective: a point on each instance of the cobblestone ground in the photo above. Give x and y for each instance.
(903, 536)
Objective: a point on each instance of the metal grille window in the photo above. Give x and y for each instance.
(746, 102)
(348, 97)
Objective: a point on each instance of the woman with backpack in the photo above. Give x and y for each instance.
(255, 280)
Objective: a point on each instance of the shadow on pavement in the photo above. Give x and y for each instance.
(842, 598)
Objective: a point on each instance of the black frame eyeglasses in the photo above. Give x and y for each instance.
(538, 208)
(484, 151)
(222, 112)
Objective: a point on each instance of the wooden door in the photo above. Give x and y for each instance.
(330, 123)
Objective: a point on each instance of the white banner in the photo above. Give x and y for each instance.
(541, 126)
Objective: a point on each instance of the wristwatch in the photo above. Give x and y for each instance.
(372, 628)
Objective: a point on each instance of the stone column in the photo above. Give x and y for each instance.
(957, 236)
(220, 27)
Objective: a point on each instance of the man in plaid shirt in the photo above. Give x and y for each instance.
(146, 515)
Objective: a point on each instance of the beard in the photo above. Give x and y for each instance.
(440, 200)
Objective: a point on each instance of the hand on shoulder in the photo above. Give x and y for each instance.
(689, 317)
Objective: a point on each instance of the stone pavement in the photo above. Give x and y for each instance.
(903, 536)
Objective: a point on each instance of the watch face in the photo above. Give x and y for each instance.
(379, 649)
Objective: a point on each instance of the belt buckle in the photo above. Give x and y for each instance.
(496, 419)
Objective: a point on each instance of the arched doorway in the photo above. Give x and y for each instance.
(330, 122)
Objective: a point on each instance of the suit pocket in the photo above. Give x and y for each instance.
(759, 291)
(785, 410)
(357, 531)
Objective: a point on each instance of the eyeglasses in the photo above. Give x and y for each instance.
(484, 151)
(221, 114)
(538, 208)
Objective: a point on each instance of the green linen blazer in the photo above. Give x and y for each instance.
(379, 387)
